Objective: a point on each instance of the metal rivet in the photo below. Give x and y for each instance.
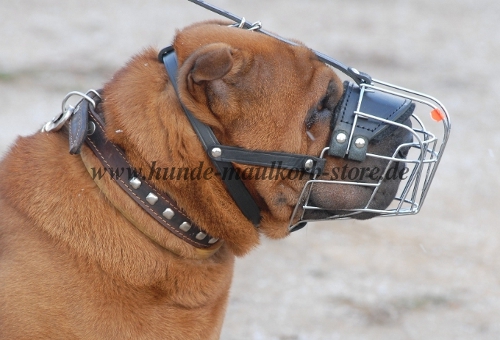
(341, 138)
(308, 165)
(151, 198)
(90, 128)
(360, 143)
(216, 152)
(185, 226)
(213, 240)
(355, 71)
(200, 236)
(135, 182)
(168, 213)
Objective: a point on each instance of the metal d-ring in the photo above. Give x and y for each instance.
(242, 23)
(77, 93)
(94, 92)
(256, 26)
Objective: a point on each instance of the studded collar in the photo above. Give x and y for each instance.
(86, 125)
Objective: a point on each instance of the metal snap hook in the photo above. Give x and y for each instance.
(67, 111)
(58, 121)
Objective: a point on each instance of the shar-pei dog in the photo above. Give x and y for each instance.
(133, 234)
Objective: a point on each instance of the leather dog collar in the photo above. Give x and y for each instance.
(86, 125)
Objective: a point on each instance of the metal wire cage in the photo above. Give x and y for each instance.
(421, 162)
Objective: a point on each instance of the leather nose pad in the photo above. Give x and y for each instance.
(353, 132)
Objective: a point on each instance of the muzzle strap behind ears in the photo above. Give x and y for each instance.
(235, 187)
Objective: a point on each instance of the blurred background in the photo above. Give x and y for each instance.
(435, 275)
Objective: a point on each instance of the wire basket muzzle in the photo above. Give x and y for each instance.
(367, 115)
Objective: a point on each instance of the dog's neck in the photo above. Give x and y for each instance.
(147, 121)
(136, 192)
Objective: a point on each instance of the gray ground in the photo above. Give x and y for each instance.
(435, 275)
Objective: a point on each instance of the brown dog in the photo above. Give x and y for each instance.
(80, 259)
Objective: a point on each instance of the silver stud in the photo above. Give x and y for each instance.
(200, 236)
(355, 71)
(168, 213)
(360, 143)
(135, 182)
(213, 240)
(341, 138)
(185, 226)
(216, 152)
(308, 164)
(151, 198)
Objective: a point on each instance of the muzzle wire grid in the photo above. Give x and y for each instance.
(423, 152)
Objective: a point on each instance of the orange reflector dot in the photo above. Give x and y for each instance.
(437, 115)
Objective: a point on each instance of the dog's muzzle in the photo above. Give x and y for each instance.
(370, 114)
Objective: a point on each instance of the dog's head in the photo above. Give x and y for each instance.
(257, 93)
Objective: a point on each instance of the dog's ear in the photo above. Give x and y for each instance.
(214, 62)
(206, 78)
(206, 68)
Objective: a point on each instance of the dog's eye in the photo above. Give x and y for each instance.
(322, 110)
(312, 118)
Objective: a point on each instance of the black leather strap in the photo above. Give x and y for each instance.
(234, 186)
(285, 160)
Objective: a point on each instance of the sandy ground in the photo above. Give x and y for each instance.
(435, 275)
